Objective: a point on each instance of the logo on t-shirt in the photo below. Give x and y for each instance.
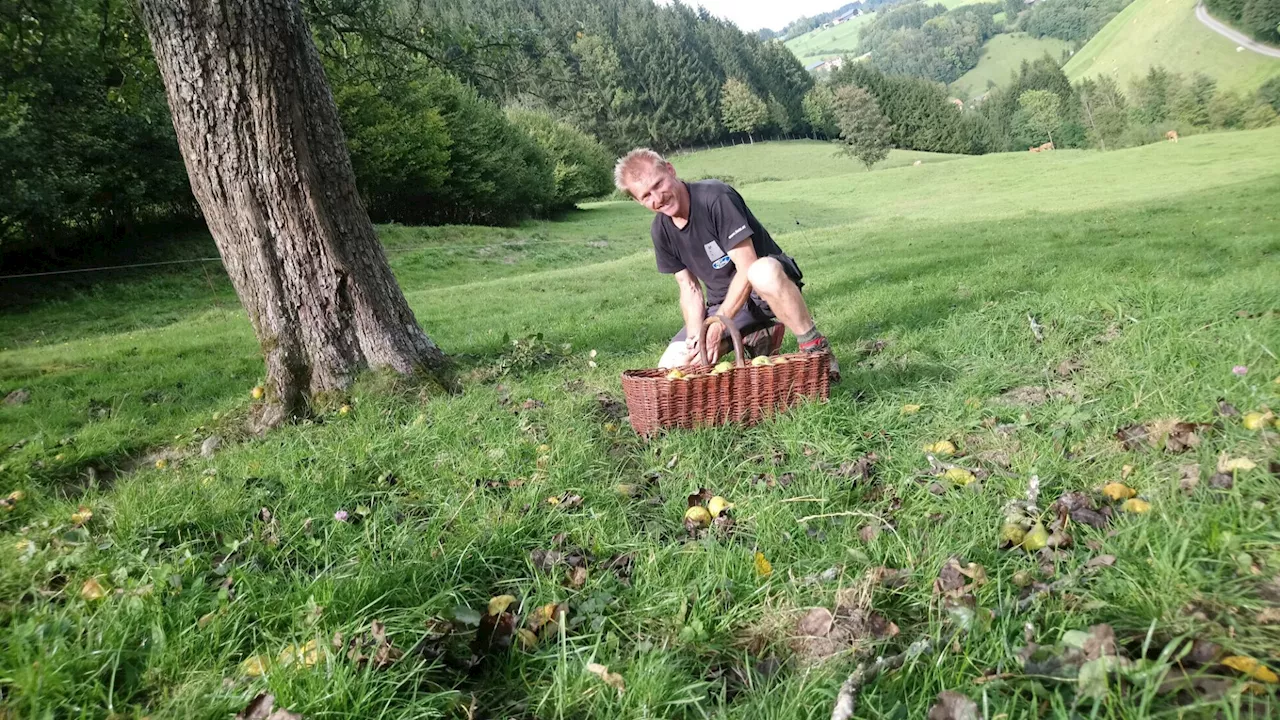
(721, 262)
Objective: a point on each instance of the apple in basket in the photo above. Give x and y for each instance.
(760, 360)
(677, 374)
(723, 366)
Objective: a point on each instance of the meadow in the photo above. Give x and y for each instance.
(1167, 33)
(831, 42)
(359, 564)
(1001, 58)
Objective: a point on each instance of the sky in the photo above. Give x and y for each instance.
(755, 14)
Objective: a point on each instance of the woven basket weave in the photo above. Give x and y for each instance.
(744, 394)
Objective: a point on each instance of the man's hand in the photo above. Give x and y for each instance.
(714, 333)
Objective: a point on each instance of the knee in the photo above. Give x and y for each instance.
(673, 357)
(766, 275)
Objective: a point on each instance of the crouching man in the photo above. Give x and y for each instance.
(704, 234)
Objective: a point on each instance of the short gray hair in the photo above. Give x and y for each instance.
(628, 166)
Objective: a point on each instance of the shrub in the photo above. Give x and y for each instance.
(580, 164)
(432, 150)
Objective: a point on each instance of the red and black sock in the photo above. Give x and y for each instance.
(813, 341)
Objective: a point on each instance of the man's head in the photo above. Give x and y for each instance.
(652, 181)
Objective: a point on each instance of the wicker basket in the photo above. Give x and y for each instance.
(744, 394)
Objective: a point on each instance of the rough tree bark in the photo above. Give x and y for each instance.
(268, 163)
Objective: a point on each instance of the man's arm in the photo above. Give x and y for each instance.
(742, 255)
(693, 307)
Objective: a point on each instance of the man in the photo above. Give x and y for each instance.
(704, 234)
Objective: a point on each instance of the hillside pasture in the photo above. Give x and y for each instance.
(357, 564)
(1167, 33)
(1001, 57)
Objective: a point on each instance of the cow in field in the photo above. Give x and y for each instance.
(1043, 148)
(1172, 136)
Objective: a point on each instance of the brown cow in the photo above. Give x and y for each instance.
(1172, 136)
(1042, 148)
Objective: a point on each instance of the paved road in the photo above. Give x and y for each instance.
(1234, 36)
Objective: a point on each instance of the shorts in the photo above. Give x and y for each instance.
(755, 314)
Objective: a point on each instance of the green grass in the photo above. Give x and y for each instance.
(785, 161)
(1166, 32)
(1001, 57)
(832, 42)
(1154, 267)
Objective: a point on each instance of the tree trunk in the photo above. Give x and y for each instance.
(268, 163)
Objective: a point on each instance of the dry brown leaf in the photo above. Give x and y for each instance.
(1190, 477)
(869, 533)
(1269, 616)
(1101, 561)
(815, 623)
(577, 577)
(263, 707)
(952, 705)
(613, 680)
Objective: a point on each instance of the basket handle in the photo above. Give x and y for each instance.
(733, 333)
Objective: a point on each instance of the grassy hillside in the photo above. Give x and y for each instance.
(794, 160)
(344, 564)
(825, 43)
(1166, 32)
(1000, 57)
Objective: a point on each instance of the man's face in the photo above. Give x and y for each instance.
(658, 189)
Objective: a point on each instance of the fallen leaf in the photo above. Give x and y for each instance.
(263, 707)
(306, 655)
(1118, 491)
(975, 572)
(952, 705)
(527, 639)
(81, 516)
(763, 567)
(613, 680)
(869, 533)
(1269, 616)
(1226, 409)
(815, 623)
(864, 468)
(1231, 465)
(910, 409)
(1069, 366)
(466, 615)
(545, 559)
(255, 666)
(1222, 481)
(1190, 477)
(92, 590)
(1251, 667)
(1126, 471)
(577, 577)
(950, 579)
(1101, 561)
(1136, 505)
(499, 604)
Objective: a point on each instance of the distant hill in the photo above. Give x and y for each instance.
(831, 42)
(1001, 57)
(826, 43)
(1166, 32)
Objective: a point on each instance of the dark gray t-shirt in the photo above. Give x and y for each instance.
(718, 221)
